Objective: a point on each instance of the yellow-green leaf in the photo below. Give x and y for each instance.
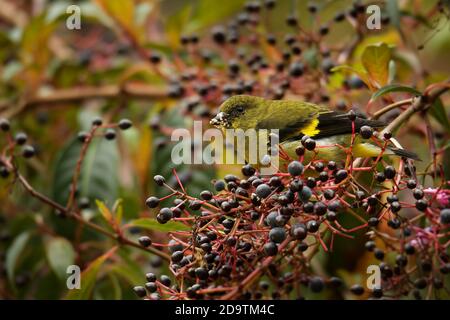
(362, 74)
(34, 52)
(89, 277)
(175, 25)
(106, 213)
(152, 224)
(35, 36)
(375, 60)
(123, 12)
(118, 210)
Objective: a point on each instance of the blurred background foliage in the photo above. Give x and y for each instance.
(39, 55)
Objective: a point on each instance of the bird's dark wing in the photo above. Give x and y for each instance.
(292, 119)
(296, 119)
(336, 123)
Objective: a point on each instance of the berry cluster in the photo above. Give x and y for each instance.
(272, 227)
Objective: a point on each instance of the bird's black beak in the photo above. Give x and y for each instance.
(219, 120)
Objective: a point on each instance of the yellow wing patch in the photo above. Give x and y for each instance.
(311, 129)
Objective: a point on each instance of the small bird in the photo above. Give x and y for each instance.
(330, 130)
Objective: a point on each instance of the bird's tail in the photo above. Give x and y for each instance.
(404, 153)
(399, 151)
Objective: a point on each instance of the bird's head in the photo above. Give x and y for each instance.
(238, 112)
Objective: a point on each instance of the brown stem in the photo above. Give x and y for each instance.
(419, 104)
(75, 95)
(390, 107)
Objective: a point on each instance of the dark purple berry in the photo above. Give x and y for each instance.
(271, 249)
(277, 234)
(366, 132)
(152, 202)
(295, 168)
(140, 291)
(263, 191)
(145, 241)
(125, 124)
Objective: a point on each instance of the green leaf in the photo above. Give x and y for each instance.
(34, 50)
(64, 169)
(375, 60)
(98, 173)
(14, 253)
(194, 178)
(356, 70)
(128, 269)
(115, 286)
(438, 112)
(60, 255)
(394, 88)
(152, 224)
(89, 277)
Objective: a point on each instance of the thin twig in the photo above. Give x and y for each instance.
(89, 224)
(253, 276)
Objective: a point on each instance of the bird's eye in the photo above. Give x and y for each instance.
(240, 108)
